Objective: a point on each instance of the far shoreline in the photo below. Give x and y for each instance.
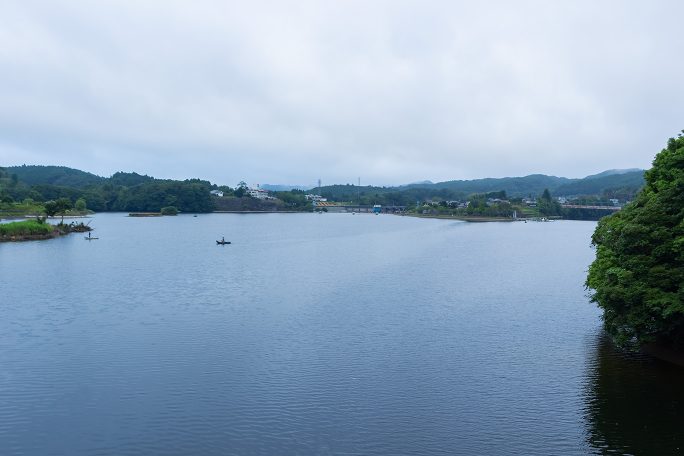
(466, 218)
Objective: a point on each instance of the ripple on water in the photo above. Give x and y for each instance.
(316, 335)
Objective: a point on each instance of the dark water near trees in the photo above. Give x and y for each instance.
(319, 334)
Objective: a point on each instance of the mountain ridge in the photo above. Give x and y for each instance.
(530, 185)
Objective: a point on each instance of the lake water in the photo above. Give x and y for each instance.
(332, 334)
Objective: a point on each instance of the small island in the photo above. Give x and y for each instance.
(38, 229)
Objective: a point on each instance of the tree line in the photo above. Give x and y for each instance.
(637, 277)
(121, 192)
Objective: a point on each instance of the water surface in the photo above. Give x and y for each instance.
(318, 334)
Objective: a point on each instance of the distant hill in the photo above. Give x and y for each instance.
(121, 192)
(600, 183)
(129, 179)
(51, 182)
(533, 184)
(54, 175)
(424, 182)
(612, 172)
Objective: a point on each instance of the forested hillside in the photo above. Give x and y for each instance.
(121, 192)
(610, 185)
(513, 186)
(134, 192)
(628, 182)
(54, 175)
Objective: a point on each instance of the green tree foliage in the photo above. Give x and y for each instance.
(187, 196)
(169, 210)
(489, 205)
(294, 199)
(547, 206)
(53, 192)
(27, 227)
(637, 277)
(80, 205)
(388, 196)
(63, 205)
(121, 192)
(628, 184)
(129, 179)
(135, 192)
(51, 208)
(241, 189)
(55, 175)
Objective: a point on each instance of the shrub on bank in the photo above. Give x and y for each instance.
(25, 228)
(169, 210)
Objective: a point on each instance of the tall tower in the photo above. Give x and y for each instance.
(359, 192)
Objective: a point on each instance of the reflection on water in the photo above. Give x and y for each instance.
(317, 335)
(634, 403)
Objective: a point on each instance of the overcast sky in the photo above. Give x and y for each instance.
(389, 91)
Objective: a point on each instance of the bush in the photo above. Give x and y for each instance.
(169, 210)
(80, 205)
(28, 227)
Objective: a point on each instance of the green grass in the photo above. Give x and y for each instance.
(21, 208)
(24, 228)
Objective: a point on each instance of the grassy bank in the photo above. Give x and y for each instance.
(27, 230)
(11, 210)
(24, 228)
(31, 230)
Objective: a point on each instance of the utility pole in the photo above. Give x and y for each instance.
(359, 192)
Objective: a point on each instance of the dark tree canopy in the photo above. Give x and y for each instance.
(51, 208)
(638, 275)
(547, 206)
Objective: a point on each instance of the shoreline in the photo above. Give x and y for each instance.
(466, 218)
(29, 230)
(30, 237)
(258, 212)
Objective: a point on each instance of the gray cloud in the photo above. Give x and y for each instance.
(392, 91)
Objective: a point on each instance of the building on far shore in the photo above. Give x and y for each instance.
(316, 198)
(258, 193)
(217, 193)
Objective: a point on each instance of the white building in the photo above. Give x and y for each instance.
(258, 193)
(217, 193)
(318, 198)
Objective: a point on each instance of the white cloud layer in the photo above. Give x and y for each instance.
(391, 91)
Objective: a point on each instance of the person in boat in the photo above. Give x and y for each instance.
(223, 240)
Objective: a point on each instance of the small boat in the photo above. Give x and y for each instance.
(222, 242)
(90, 238)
